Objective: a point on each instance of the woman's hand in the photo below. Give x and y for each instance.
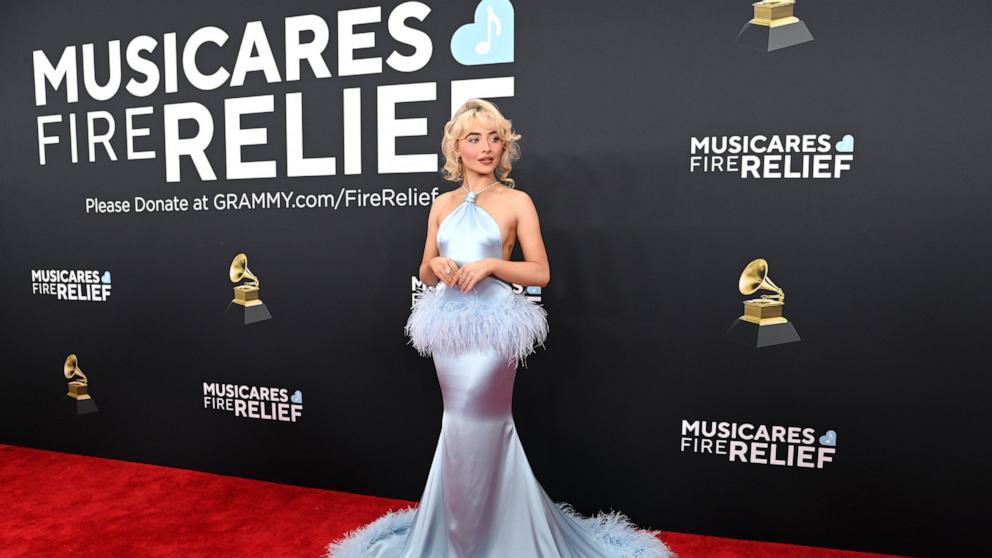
(445, 269)
(471, 273)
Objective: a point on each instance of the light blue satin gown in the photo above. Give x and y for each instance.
(481, 498)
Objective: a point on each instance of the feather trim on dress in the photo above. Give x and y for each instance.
(618, 537)
(512, 325)
(621, 538)
(357, 543)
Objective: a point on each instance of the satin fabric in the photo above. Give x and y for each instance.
(448, 321)
(482, 499)
(470, 234)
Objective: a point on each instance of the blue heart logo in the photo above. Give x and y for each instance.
(829, 439)
(489, 38)
(846, 144)
(106, 277)
(297, 397)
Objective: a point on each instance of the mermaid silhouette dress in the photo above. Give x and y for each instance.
(481, 498)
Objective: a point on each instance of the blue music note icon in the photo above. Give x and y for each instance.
(489, 38)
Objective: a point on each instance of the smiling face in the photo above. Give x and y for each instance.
(480, 148)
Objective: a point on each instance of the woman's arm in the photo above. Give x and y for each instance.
(534, 271)
(426, 273)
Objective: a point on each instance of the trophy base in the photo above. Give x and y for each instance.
(246, 295)
(768, 38)
(86, 406)
(78, 390)
(248, 314)
(754, 335)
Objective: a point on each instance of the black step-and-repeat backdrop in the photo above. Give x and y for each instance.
(666, 145)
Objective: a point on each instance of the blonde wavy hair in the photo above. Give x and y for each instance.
(487, 114)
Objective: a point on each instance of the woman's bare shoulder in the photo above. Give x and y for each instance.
(444, 196)
(513, 194)
(443, 205)
(519, 198)
(444, 200)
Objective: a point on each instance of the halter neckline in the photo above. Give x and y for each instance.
(471, 196)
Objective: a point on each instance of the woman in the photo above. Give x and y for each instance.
(481, 499)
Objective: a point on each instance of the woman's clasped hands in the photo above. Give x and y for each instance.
(464, 278)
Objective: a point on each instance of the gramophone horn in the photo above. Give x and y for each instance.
(239, 270)
(755, 278)
(71, 368)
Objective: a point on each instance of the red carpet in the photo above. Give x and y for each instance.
(56, 504)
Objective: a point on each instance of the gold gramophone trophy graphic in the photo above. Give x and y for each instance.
(762, 324)
(78, 386)
(773, 27)
(246, 302)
